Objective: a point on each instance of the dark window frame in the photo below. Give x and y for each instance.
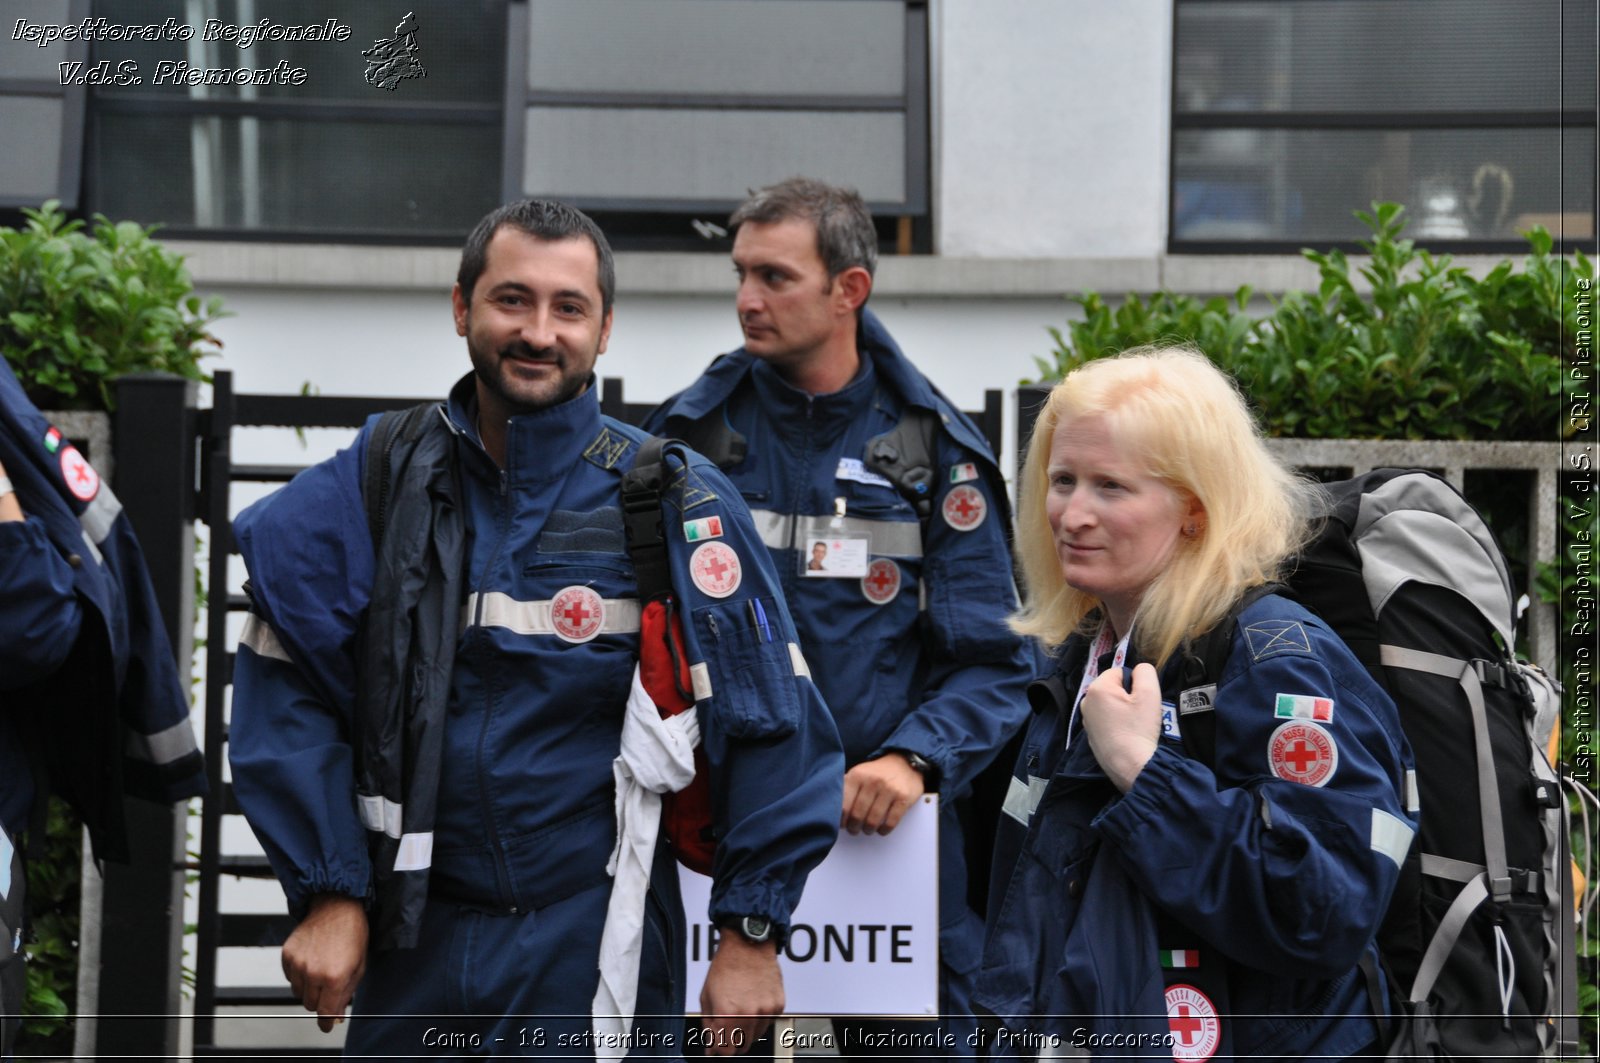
(69, 173)
(1557, 119)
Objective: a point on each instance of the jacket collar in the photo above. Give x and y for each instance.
(541, 446)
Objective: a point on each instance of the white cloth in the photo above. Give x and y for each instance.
(657, 757)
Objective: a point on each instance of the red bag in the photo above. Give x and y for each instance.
(664, 673)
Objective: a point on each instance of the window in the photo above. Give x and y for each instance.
(651, 114)
(38, 111)
(1289, 115)
(677, 108)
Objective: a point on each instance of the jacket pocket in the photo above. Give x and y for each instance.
(749, 670)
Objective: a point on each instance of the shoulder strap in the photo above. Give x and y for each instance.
(378, 472)
(1203, 660)
(907, 456)
(642, 487)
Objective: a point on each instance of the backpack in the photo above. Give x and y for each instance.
(1478, 941)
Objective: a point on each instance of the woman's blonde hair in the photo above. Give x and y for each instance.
(1187, 424)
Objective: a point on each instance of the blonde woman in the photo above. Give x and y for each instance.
(1148, 898)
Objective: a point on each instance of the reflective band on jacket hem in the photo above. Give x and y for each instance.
(415, 852)
(163, 747)
(380, 814)
(889, 538)
(533, 618)
(700, 679)
(1023, 797)
(1391, 836)
(260, 637)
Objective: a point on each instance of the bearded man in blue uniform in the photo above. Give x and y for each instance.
(486, 644)
(835, 438)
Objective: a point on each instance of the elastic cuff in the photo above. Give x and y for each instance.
(769, 902)
(1146, 802)
(350, 883)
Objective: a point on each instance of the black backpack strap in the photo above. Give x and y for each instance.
(378, 474)
(1203, 660)
(907, 457)
(642, 487)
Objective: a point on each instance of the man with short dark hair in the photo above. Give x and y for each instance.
(434, 735)
(821, 418)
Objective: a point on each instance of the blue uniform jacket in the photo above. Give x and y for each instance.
(1249, 892)
(85, 663)
(916, 656)
(549, 638)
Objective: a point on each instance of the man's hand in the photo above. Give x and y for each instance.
(1124, 729)
(742, 995)
(326, 956)
(878, 792)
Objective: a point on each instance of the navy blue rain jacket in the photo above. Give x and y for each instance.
(549, 639)
(1226, 908)
(88, 681)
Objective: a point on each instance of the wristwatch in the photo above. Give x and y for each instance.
(923, 767)
(755, 929)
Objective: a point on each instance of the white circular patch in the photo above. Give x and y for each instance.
(965, 508)
(714, 567)
(82, 480)
(1303, 752)
(577, 613)
(1196, 1030)
(882, 581)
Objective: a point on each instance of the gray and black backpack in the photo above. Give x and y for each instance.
(1478, 941)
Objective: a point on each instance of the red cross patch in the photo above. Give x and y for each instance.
(82, 480)
(576, 614)
(882, 581)
(1303, 752)
(965, 508)
(1192, 1018)
(714, 567)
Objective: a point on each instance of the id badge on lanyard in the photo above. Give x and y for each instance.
(1091, 668)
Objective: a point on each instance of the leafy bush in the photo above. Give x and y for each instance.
(79, 309)
(1431, 353)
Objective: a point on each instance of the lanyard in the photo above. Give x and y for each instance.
(1091, 668)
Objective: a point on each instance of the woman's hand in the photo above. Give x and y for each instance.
(10, 508)
(1123, 728)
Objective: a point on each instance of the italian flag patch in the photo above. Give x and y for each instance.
(1171, 958)
(52, 439)
(960, 474)
(1304, 707)
(705, 528)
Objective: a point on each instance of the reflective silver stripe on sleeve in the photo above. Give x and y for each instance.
(700, 680)
(415, 852)
(94, 551)
(533, 618)
(100, 514)
(262, 639)
(163, 747)
(380, 814)
(1023, 797)
(1391, 836)
(798, 660)
(1413, 795)
(888, 538)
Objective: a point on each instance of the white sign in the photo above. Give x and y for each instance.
(865, 939)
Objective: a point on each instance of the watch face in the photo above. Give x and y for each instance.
(756, 928)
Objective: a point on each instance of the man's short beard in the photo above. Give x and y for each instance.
(491, 373)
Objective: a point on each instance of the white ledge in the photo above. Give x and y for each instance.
(264, 265)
